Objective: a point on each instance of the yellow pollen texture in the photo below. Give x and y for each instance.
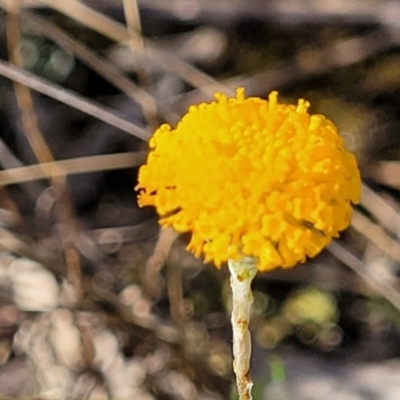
(247, 176)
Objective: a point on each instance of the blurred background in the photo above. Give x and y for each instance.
(95, 302)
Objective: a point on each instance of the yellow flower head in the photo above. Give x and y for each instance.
(251, 177)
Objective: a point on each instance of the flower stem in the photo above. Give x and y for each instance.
(242, 273)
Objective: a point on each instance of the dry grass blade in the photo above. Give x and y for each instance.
(385, 289)
(175, 295)
(317, 61)
(23, 94)
(386, 173)
(138, 232)
(133, 23)
(9, 161)
(37, 142)
(154, 264)
(381, 210)
(205, 83)
(104, 68)
(79, 165)
(117, 32)
(284, 10)
(90, 18)
(376, 235)
(71, 99)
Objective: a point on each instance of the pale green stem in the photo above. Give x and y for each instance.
(242, 273)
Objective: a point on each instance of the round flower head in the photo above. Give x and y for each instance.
(250, 177)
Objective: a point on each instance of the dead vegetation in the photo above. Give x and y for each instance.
(95, 302)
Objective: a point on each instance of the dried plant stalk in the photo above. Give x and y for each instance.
(242, 274)
(154, 264)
